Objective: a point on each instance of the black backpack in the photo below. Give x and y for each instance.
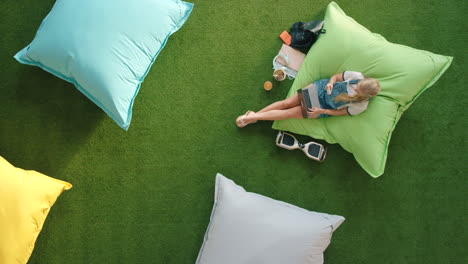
(303, 35)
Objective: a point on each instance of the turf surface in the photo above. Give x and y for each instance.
(145, 196)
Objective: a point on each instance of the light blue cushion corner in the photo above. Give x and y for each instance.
(105, 48)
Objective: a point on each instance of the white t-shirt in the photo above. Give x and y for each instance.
(356, 107)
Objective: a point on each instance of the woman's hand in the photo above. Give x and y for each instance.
(329, 87)
(314, 112)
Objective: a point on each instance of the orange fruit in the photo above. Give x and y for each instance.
(267, 85)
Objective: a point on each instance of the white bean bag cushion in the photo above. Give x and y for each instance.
(250, 228)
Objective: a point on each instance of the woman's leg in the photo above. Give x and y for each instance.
(294, 112)
(283, 104)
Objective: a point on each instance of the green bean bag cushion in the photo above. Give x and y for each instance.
(403, 72)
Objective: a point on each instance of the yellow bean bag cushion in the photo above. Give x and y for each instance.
(25, 200)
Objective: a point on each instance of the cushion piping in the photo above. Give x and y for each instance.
(205, 238)
(430, 83)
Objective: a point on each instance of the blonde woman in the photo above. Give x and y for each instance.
(346, 93)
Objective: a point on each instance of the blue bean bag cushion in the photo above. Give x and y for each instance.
(403, 72)
(106, 47)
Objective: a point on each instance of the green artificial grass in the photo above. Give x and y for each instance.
(145, 196)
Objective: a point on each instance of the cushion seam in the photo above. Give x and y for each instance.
(215, 206)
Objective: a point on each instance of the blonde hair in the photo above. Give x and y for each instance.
(368, 87)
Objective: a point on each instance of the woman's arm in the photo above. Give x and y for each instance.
(335, 78)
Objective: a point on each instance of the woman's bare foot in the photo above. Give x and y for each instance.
(244, 120)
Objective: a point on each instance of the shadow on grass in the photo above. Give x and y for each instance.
(47, 121)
